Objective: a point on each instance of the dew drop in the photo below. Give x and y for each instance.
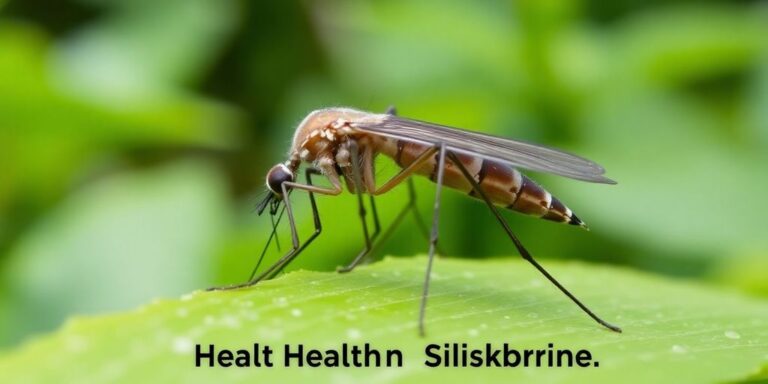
(268, 333)
(679, 349)
(230, 321)
(187, 297)
(473, 332)
(182, 345)
(732, 335)
(250, 315)
(354, 333)
(280, 301)
(296, 312)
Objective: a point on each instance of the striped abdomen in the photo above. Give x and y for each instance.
(504, 185)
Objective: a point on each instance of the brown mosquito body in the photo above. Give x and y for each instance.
(324, 136)
(341, 144)
(504, 185)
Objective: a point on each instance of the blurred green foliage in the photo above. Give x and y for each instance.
(135, 134)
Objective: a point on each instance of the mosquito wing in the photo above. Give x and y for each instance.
(518, 153)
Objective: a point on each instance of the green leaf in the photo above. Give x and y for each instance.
(673, 331)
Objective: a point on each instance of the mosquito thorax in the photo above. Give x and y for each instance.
(278, 175)
(321, 132)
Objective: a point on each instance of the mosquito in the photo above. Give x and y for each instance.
(343, 143)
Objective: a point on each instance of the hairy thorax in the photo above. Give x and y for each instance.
(323, 137)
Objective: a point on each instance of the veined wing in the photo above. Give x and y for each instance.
(518, 153)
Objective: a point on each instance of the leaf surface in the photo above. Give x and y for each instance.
(673, 331)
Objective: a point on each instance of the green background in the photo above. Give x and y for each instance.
(135, 136)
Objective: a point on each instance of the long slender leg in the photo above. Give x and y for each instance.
(371, 188)
(433, 236)
(297, 246)
(524, 252)
(416, 214)
(272, 235)
(376, 222)
(391, 110)
(367, 173)
(285, 260)
(369, 241)
(410, 206)
(356, 175)
(369, 180)
(425, 156)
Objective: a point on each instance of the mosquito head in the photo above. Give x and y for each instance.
(276, 176)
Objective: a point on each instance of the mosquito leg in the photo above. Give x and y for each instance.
(368, 167)
(377, 227)
(411, 205)
(406, 172)
(311, 189)
(356, 175)
(285, 260)
(274, 225)
(417, 215)
(272, 235)
(368, 176)
(297, 246)
(376, 222)
(433, 236)
(521, 249)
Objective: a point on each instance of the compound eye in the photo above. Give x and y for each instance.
(278, 175)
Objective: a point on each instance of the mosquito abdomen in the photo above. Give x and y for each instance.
(504, 185)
